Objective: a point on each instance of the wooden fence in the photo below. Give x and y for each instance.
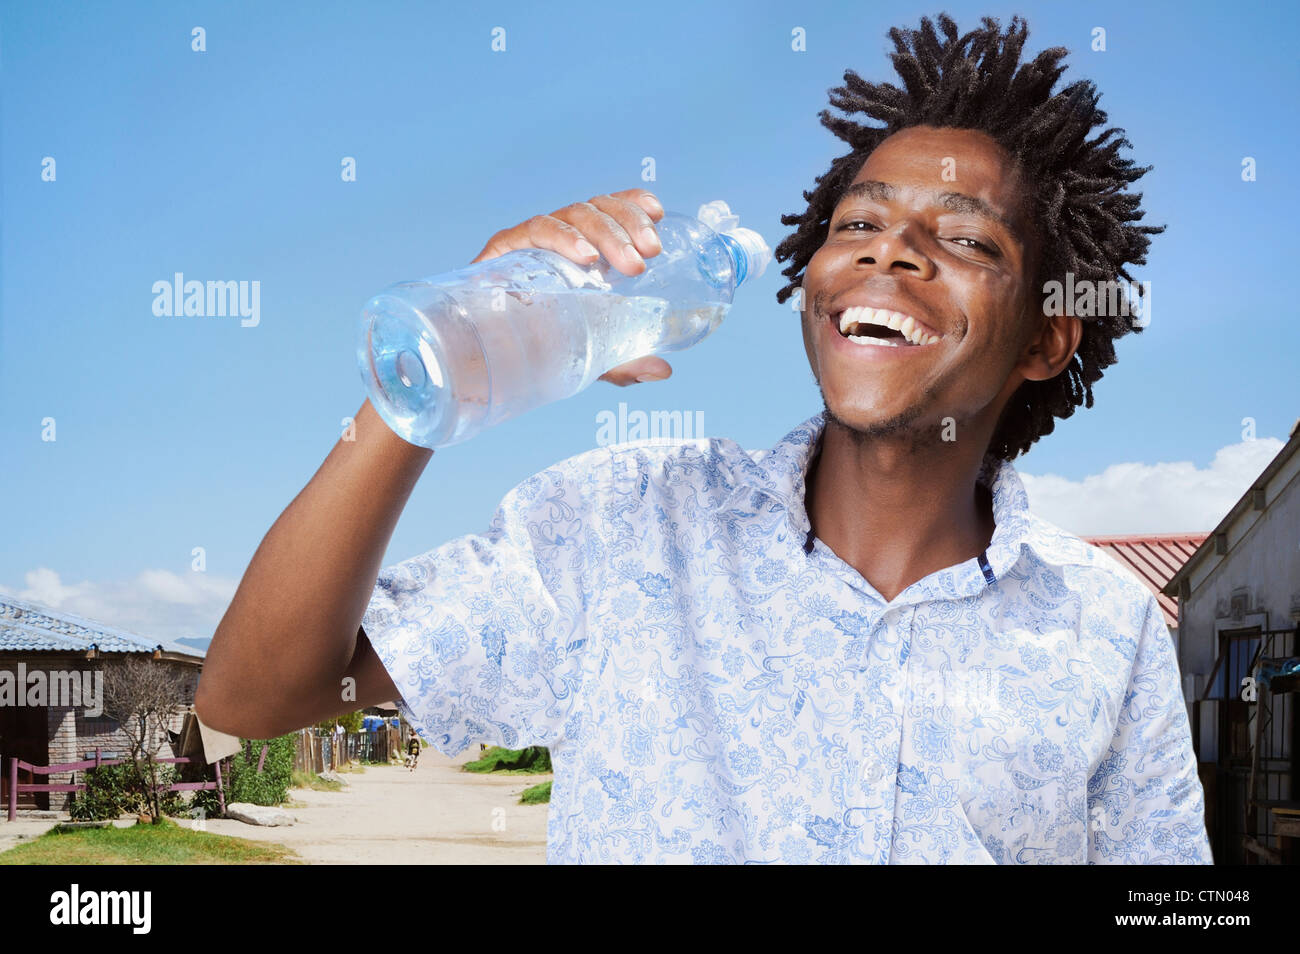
(16, 765)
(316, 751)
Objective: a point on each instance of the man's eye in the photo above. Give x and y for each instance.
(975, 243)
(866, 226)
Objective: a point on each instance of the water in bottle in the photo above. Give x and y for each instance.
(447, 356)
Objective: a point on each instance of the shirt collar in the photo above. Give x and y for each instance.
(780, 473)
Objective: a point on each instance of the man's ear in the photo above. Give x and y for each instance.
(1050, 350)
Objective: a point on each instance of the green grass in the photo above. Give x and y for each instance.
(537, 795)
(164, 844)
(532, 761)
(512, 761)
(315, 782)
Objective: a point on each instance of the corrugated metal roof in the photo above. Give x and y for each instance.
(32, 627)
(1155, 559)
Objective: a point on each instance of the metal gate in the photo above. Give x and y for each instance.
(1253, 803)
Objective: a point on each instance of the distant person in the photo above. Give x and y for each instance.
(412, 751)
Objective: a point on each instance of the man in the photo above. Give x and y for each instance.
(859, 646)
(412, 751)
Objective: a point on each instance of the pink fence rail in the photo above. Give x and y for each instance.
(17, 764)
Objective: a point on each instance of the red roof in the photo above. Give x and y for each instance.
(1155, 559)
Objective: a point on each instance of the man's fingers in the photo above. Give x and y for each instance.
(541, 231)
(607, 234)
(649, 368)
(635, 221)
(646, 200)
(604, 225)
(548, 231)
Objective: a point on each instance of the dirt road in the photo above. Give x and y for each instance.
(434, 815)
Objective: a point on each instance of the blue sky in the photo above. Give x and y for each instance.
(225, 165)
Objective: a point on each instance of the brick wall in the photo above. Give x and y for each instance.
(71, 734)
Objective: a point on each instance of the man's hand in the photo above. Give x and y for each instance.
(620, 226)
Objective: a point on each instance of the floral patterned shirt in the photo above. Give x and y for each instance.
(716, 686)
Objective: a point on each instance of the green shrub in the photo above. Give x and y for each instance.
(206, 804)
(105, 797)
(537, 795)
(351, 722)
(242, 782)
(115, 790)
(536, 758)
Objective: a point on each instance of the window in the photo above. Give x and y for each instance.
(98, 725)
(1237, 650)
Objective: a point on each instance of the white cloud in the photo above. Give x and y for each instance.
(157, 603)
(1152, 498)
(193, 589)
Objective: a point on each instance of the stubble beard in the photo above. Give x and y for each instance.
(900, 428)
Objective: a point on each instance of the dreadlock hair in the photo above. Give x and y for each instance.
(1084, 219)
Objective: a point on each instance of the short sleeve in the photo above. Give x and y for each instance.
(486, 636)
(1146, 804)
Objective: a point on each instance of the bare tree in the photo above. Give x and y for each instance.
(143, 695)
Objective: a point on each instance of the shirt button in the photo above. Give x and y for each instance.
(873, 774)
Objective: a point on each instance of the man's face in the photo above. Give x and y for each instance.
(935, 227)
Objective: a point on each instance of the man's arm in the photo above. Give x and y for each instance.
(291, 635)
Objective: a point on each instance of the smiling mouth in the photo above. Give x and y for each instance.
(879, 327)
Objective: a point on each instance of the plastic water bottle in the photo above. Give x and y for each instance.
(447, 356)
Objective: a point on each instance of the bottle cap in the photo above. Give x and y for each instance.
(756, 250)
(718, 216)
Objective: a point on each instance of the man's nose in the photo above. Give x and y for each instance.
(895, 248)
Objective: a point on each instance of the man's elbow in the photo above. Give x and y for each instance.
(218, 711)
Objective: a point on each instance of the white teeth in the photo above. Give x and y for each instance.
(878, 342)
(904, 324)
